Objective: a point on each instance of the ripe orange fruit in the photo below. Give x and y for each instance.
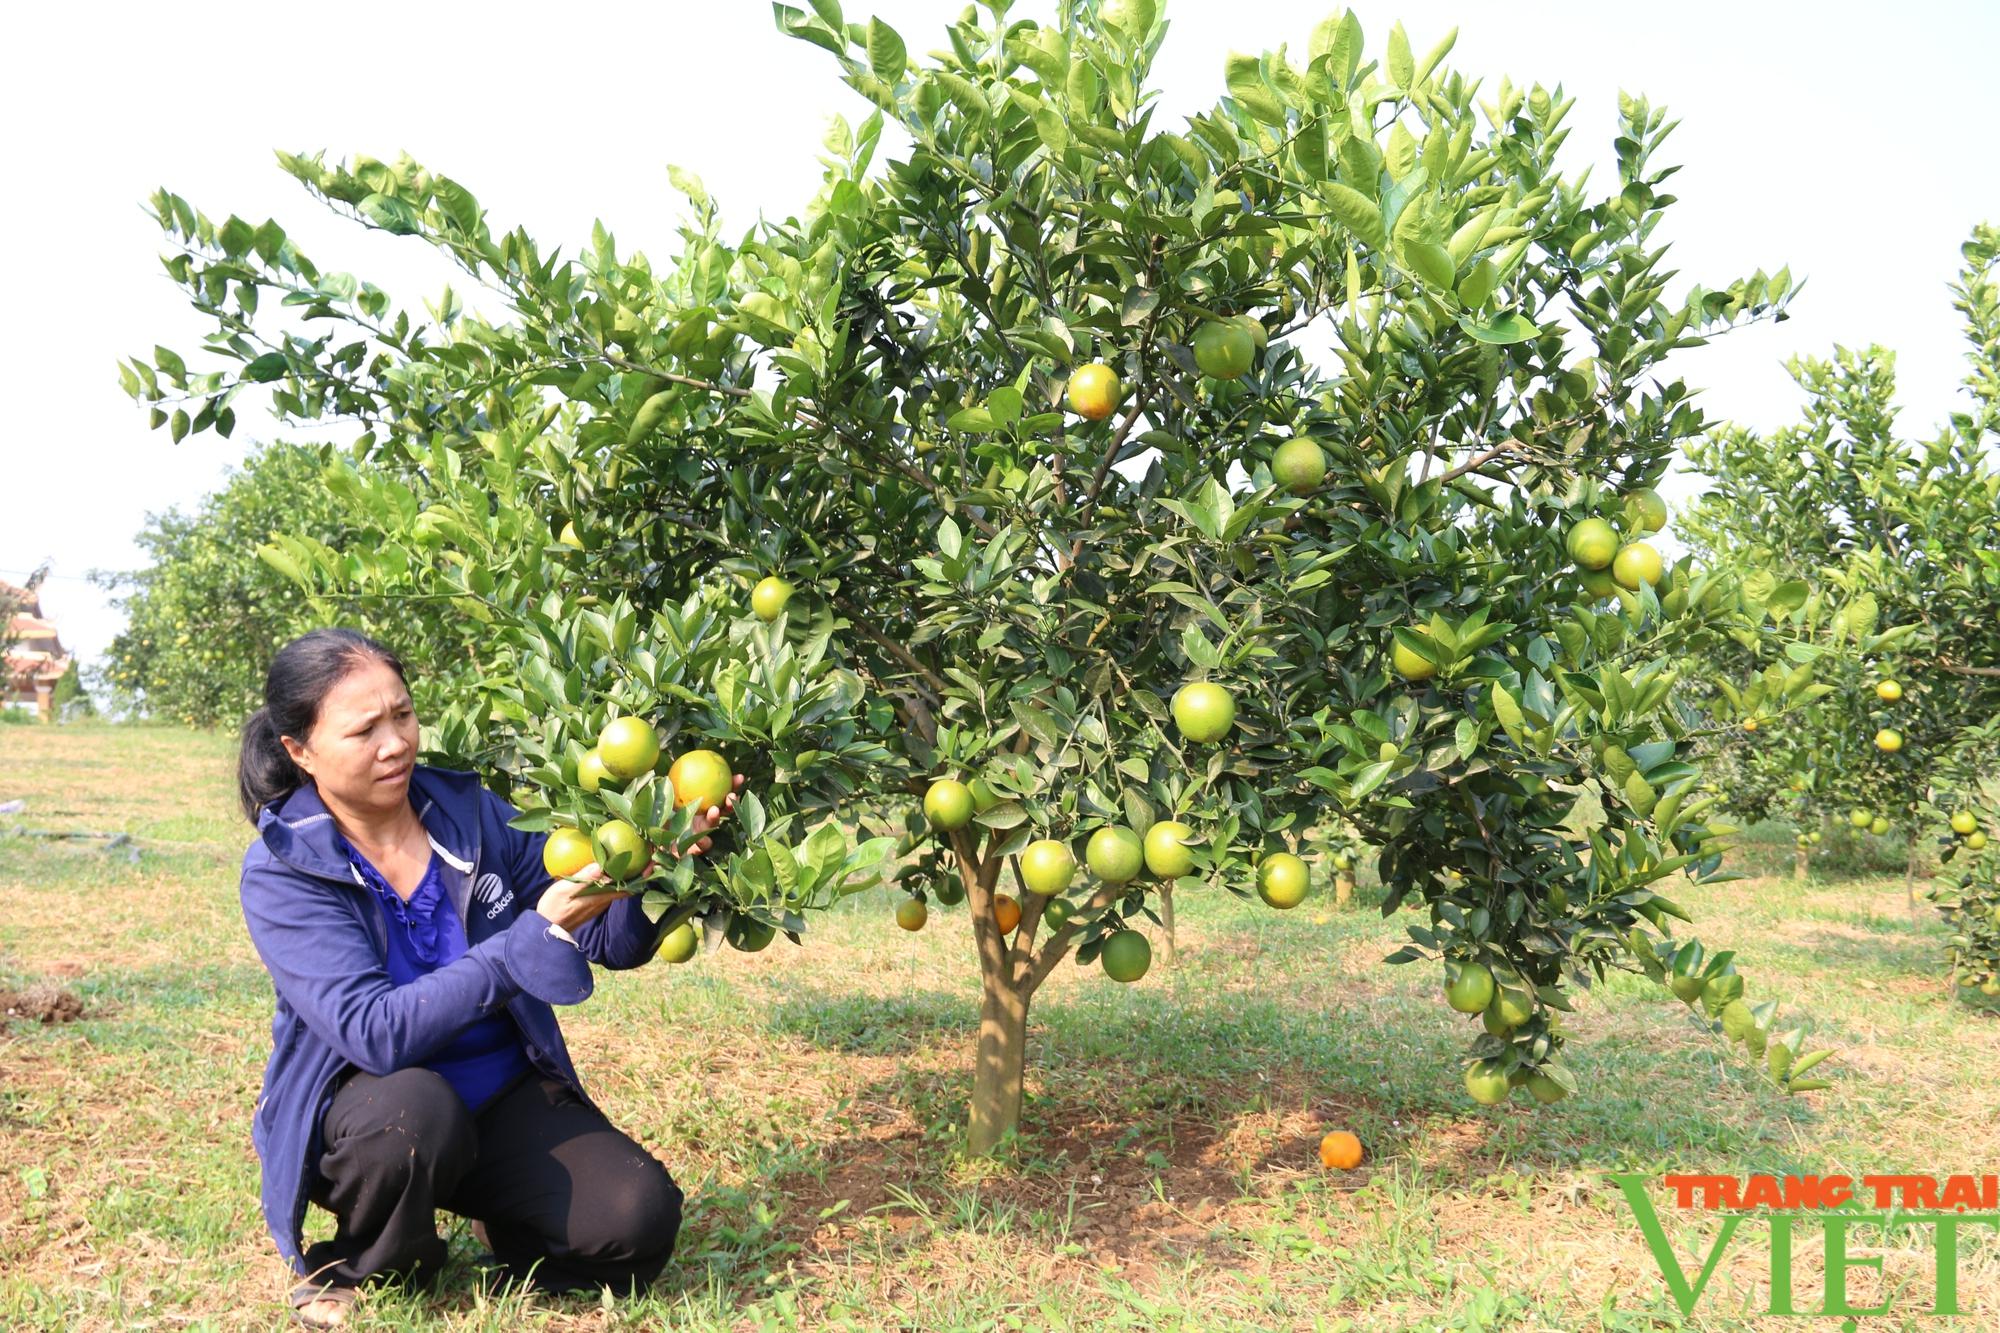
(566, 852)
(911, 914)
(1094, 391)
(1888, 740)
(1888, 691)
(1006, 912)
(701, 778)
(1340, 1151)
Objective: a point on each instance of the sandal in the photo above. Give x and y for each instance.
(307, 1293)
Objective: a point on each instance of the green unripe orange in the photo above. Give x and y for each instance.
(1224, 349)
(1204, 711)
(1167, 854)
(911, 914)
(1487, 1083)
(1282, 880)
(679, 944)
(768, 598)
(1412, 665)
(620, 849)
(1126, 956)
(1645, 511)
(628, 746)
(1298, 465)
(1593, 543)
(1469, 989)
(948, 804)
(1047, 867)
(1637, 563)
(1115, 855)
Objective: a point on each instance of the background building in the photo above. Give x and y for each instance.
(34, 656)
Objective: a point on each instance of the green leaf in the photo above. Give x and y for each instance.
(456, 202)
(1787, 597)
(1245, 76)
(1431, 262)
(974, 420)
(887, 55)
(1508, 710)
(1402, 65)
(392, 215)
(1500, 331)
(1356, 212)
(265, 368)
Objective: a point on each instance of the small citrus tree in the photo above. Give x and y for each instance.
(1024, 443)
(1884, 554)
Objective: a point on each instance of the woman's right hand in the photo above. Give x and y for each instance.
(572, 903)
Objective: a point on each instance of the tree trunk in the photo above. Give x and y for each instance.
(1002, 1058)
(1167, 923)
(1799, 859)
(1910, 884)
(1343, 888)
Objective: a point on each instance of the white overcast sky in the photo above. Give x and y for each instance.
(1855, 142)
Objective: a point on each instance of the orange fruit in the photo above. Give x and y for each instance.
(1340, 1151)
(1006, 912)
(1094, 391)
(567, 851)
(701, 778)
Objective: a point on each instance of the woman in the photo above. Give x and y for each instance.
(417, 944)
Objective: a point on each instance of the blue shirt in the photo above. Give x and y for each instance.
(485, 1058)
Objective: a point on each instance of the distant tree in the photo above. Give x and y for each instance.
(206, 614)
(1887, 551)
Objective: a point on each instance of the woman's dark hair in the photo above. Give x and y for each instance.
(301, 675)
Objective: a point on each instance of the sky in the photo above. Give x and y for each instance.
(1853, 142)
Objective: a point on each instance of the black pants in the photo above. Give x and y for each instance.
(559, 1190)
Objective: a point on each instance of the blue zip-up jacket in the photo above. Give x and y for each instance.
(322, 936)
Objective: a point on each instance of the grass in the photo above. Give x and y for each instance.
(810, 1103)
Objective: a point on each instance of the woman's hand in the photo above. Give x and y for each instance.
(573, 903)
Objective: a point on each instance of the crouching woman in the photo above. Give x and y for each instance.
(417, 945)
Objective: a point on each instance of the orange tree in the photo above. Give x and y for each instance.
(1032, 423)
(1883, 555)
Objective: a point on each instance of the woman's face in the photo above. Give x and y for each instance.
(364, 743)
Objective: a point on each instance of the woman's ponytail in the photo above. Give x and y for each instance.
(265, 773)
(301, 675)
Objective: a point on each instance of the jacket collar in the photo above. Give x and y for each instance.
(300, 830)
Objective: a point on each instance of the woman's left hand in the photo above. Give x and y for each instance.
(710, 818)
